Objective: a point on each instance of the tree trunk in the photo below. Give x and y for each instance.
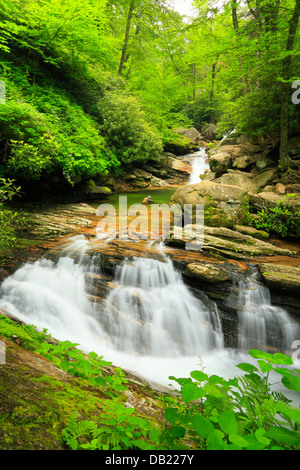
(236, 28)
(126, 38)
(286, 87)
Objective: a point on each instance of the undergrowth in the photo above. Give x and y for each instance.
(206, 412)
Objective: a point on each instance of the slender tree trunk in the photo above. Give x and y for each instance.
(286, 87)
(126, 38)
(236, 28)
(212, 94)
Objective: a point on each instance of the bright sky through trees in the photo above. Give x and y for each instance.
(184, 7)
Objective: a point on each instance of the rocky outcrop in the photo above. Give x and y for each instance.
(224, 242)
(222, 202)
(283, 278)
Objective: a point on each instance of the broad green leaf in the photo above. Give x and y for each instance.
(198, 375)
(257, 354)
(260, 435)
(290, 412)
(228, 423)
(264, 366)
(213, 390)
(202, 425)
(215, 441)
(246, 367)
(238, 440)
(291, 382)
(191, 391)
(283, 435)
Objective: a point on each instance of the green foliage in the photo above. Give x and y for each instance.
(126, 129)
(52, 135)
(280, 220)
(9, 220)
(117, 429)
(241, 413)
(207, 411)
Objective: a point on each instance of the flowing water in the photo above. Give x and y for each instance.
(199, 162)
(261, 323)
(149, 322)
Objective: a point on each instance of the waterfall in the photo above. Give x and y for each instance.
(148, 321)
(261, 324)
(152, 312)
(199, 165)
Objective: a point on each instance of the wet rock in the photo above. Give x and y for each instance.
(253, 232)
(263, 162)
(207, 272)
(209, 132)
(94, 192)
(280, 188)
(281, 278)
(225, 242)
(266, 201)
(148, 200)
(222, 202)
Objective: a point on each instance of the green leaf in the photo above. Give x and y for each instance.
(291, 382)
(191, 391)
(283, 435)
(238, 440)
(257, 354)
(246, 367)
(198, 375)
(264, 366)
(228, 423)
(260, 435)
(213, 391)
(202, 425)
(215, 441)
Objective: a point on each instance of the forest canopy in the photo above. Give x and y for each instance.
(94, 86)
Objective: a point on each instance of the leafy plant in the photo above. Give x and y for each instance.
(238, 414)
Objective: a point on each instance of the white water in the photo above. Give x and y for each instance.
(261, 323)
(152, 312)
(150, 324)
(199, 165)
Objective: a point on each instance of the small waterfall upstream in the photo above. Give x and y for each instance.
(149, 321)
(199, 165)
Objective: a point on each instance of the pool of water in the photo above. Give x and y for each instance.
(159, 196)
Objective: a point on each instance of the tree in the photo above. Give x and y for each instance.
(286, 85)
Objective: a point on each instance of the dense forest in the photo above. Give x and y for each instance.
(91, 87)
(89, 93)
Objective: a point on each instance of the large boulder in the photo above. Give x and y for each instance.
(238, 178)
(191, 134)
(220, 162)
(222, 202)
(270, 200)
(209, 132)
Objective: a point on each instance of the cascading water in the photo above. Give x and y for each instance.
(199, 165)
(153, 313)
(260, 323)
(150, 322)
